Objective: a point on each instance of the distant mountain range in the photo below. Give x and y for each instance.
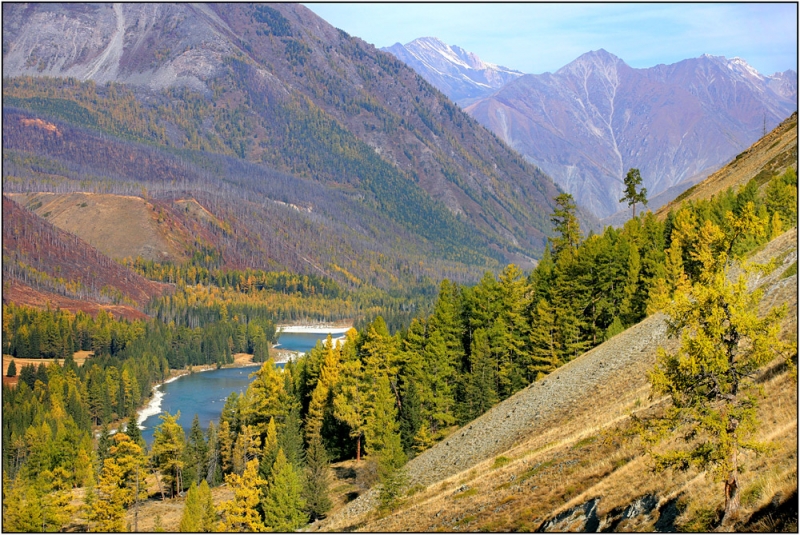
(459, 74)
(317, 152)
(595, 118)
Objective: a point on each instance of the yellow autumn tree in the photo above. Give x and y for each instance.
(241, 513)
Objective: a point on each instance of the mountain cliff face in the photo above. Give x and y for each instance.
(279, 87)
(597, 117)
(459, 74)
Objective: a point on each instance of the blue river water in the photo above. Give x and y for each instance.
(302, 342)
(204, 393)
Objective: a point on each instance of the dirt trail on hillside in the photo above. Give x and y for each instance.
(594, 389)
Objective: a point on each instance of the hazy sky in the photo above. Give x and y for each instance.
(535, 38)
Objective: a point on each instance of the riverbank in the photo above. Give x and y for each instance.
(313, 329)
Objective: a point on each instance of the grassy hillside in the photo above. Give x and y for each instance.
(42, 264)
(118, 225)
(770, 156)
(561, 455)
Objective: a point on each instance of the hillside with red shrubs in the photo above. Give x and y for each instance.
(42, 264)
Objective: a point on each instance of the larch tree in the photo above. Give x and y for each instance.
(209, 514)
(350, 400)
(321, 402)
(565, 226)
(241, 513)
(633, 196)
(283, 502)
(265, 398)
(192, 517)
(545, 346)
(710, 377)
(167, 451)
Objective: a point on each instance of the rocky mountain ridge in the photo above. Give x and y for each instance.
(595, 118)
(459, 74)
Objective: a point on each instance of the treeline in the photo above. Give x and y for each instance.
(244, 281)
(483, 343)
(32, 333)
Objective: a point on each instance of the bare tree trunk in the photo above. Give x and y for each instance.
(732, 492)
(358, 448)
(136, 511)
(160, 488)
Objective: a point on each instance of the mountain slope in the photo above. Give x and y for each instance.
(459, 74)
(539, 458)
(769, 156)
(277, 86)
(595, 118)
(42, 263)
(558, 455)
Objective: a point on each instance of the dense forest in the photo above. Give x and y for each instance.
(386, 396)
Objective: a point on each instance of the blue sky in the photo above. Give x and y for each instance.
(535, 38)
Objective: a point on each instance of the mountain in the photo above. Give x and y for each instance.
(459, 74)
(248, 106)
(595, 118)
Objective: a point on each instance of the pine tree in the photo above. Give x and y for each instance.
(12, 369)
(133, 431)
(103, 446)
(410, 414)
(196, 453)
(481, 384)
(290, 435)
(283, 504)
(437, 397)
(213, 475)
(383, 441)
(317, 488)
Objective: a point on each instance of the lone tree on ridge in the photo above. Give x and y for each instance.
(633, 179)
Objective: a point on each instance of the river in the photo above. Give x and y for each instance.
(204, 393)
